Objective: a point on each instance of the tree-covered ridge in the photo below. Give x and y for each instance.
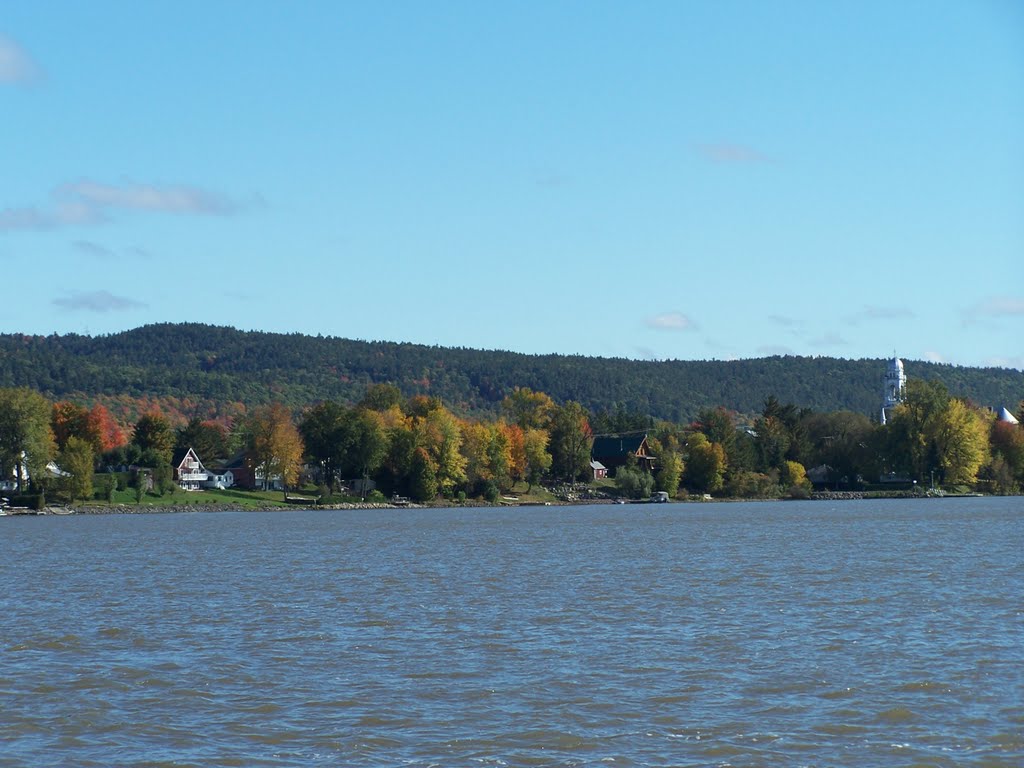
(210, 367)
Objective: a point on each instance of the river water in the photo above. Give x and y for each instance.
(856, 633)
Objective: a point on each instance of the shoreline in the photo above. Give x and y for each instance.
(158, 509)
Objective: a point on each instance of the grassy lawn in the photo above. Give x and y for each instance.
(180, 498)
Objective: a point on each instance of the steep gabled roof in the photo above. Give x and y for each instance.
(180, 456)
(1005, 415)
(607, 446)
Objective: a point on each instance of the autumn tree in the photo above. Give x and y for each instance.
(77, 459)
(960, 436)
(570, 441)
(275, 444)
(1007, 442)
(669, 468)
(705, 464)
(718, 426)
(793, 478)
(381, 397)
(72, 420)
(538, 459)
(365, 443)
(155, 438)
(528, 409)
(908, 441)
(423, 476)
(475, 438)
(26, 438)
(516, 438)
(439, 433)
(324, 434)
(103, 423)
(207, 438)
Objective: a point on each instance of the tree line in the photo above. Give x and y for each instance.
(210, 371)
(416, 447)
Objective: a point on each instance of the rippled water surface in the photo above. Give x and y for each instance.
(887, 633)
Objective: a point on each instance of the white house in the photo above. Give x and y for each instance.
(220, 480)
(190, 472)
(10, 483)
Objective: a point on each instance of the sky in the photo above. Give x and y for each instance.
(650, 180)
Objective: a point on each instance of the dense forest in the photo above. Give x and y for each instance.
(192, 370)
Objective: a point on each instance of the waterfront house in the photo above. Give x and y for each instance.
(189, 471)
(614, 451)
(191, 475)
(599, 470)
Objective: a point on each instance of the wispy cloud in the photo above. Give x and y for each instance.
(16, 66)
(995, 306)
(671, 321)
(935, 357)
(146, 197)
(874, 312)
(724, 152)
(97, 301)
(90, 202)
(95, 250)
(784, 321)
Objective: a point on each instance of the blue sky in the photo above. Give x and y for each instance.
(668, 180)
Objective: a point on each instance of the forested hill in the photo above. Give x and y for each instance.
(206, 368)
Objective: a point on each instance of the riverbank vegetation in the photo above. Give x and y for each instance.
(387, 445)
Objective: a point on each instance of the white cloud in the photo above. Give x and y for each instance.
(995, 306)
(671, 321)
(934, 357)
(16, 66)
(97, 301)
(90, 202)
(145, 197)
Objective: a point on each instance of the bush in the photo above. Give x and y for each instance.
(375, 497)
(634, 482)
(799, 492)
(491, 492)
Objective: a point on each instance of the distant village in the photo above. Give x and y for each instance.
(392, 447)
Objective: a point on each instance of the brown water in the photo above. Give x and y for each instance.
(885, 633)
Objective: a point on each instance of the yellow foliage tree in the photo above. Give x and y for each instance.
(961, 440)
(275, 444)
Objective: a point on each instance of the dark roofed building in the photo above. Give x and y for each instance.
(614, 450)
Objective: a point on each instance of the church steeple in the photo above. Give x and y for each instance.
(894, 383)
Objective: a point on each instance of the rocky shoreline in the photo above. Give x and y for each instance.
(153, 509)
